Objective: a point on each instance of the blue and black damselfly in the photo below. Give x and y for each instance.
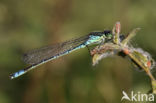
(42, 55)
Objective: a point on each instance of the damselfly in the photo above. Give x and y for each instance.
(42, 55)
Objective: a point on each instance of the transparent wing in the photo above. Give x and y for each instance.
(44, 53)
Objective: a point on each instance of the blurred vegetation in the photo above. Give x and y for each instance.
(29, 24)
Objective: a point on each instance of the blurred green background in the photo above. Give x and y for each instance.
(29, 24)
